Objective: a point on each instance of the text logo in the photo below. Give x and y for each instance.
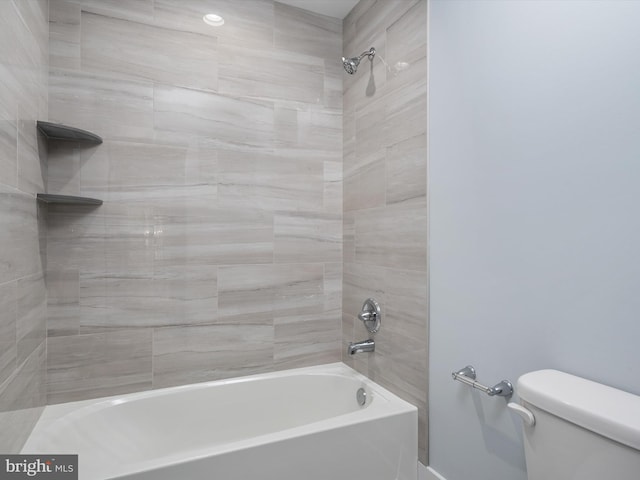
(51, 467)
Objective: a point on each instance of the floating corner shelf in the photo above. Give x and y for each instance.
(67, 199)
(57, 131)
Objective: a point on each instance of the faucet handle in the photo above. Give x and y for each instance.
(371, 315)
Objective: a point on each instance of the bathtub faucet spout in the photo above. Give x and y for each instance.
(360, 347)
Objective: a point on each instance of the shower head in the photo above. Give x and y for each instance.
(351, 64)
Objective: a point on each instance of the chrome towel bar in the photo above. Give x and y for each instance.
(468, 376)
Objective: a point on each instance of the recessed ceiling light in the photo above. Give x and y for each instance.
(213, 20)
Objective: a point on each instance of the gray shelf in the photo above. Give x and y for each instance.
(57, 131)
(67, 199)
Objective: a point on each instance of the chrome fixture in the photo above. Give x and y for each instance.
(361, 396)
(361, 347)
(351, 64)
(468, 376)
(371, 315)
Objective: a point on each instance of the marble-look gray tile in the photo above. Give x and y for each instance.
(8, 346)
(22, 400)
(29, 55)
(350, 192)
(405, 106)
(297, 289)
(284, 180)
(162, 55)
(233, 122)
(306, 340)
(201, 164)
(63, 168)
(223, 237)
(75, 239)
(11, 77)
(106, 105)
(32, 166)
(333, 288)
(258, 293)
(407, 37)
(313, 130)
(385, 221)
(63, 293)
(31, 321)
(137, 164)
(64, 34)
(406, 171)
(406, 306)
(348, 329)
(371, 122)
(366, 186)
(63, 319)
(23, 99)
(349, 22)
(192, 181)
(130, 249)
(247, 23)
(333, 186)
(349, 157)
(20, 48)
(94, 170)
(348, 237)
(35, 15)
(135, 10)
(392, 237)
(377, 17)
(204, 353)
(8, 151)
(19, 236)
(302, 31)
(307, 237)
(97, 365)
(359, 283)
(333, 78)
(171, 295)
(270, 74)
(152, 204)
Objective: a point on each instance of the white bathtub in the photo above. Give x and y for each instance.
(296, 424)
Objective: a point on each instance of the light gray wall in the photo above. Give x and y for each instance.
(218, 249)
(24, 55)
(385, 195)
(534, 175)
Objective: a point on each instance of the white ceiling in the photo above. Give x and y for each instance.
(331, 8)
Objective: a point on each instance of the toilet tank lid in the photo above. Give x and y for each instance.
(605, 410)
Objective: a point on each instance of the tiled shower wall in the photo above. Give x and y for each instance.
(23, 100)
(218, 249)
(385, 195)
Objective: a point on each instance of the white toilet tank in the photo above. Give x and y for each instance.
(583, 430)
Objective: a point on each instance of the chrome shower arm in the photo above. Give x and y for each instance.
(370, 53)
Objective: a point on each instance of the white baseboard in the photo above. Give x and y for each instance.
(428, 473)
